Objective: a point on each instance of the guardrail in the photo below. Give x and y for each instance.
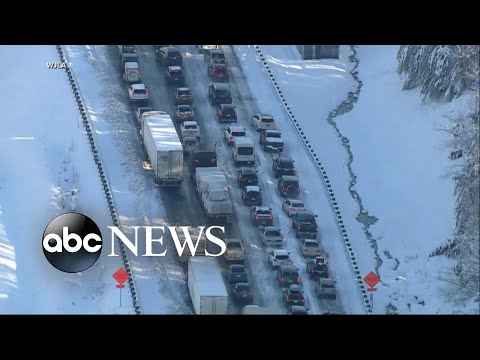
(103, 178)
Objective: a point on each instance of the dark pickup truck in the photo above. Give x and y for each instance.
(305, 225)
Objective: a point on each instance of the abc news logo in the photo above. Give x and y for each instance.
(72, 242)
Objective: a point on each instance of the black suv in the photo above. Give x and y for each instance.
(288, 275)
(251, 195)
(175, 75)
(202, 158)
(288, 186)
(219, 94)
(305, 225)
(169, 56)
(214, 56)
(183, 96)
(293, 296)
(283, 166)
(227, 112)
(271, 141)
(242, 293)
(247, 177)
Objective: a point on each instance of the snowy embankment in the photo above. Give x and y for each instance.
(399, 167)
(313, 193)
(46, 169)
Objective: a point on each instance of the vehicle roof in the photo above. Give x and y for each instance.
(308, 213)
(184, 106)
(311, 241)
(138, 86)
(289, 178)
(208, 277)
(243, 140)
(271, 228)
(131, 65)
(294, 201)
(266, 208)
(189, 138)
(289, 268)
(236, 128)
(163, 131)
(216, 51)
(190, 123)
(236, 266)
(229, 241)
(248, 171)
(295, 287)
(228, 106)
(174, 68)
(218, 65)
(253, 188)
(284, 159)
(171, 48)
(298, 308)
(242, 285)
(280, 252)
(263, 115)
(221, 86)
(183, 88)
(326, 280)
(272, 132)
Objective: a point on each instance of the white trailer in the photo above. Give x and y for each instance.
(163, 147)
(212, 188)
(205, 284)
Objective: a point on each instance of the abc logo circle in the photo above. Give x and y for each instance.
(72, 242)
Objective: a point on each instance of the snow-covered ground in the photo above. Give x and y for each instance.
(44, 156)
(160, 281)
(313, 193)
(398, 159)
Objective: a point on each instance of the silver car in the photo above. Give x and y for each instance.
(279, 257)
(271, 236)
(310, 248)
(325, 287)
(292, 207)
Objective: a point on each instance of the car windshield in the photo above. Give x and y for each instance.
(218, 55)
(267, 120)
(238, 133)
(190, 141)
(234, 245)
(193, 126)
(140, 91)
(184, 109)
(328, 286)
(307, 220)
(290, 274)
(245, 151)
(297, 205)
(238, 269)
(291, 183)
(223, 92)
(282, 257)
(263, 212)
(173, 54)
(272, 233)
(274, 134)
(228, 110)
(311, 244)
(183, 92)
(295, 293)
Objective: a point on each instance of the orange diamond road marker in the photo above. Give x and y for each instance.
(121, 276)
(371, 279)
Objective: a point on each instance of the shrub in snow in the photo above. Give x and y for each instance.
(443, 71)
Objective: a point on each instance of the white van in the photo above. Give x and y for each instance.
(132, 72)
(243, 151)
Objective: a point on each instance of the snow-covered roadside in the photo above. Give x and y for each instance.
(44, 158)
(160, 281)
(401, 164)
(313, 192)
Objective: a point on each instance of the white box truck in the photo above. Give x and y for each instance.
(205, 284)
(212, 188)
(163, 147)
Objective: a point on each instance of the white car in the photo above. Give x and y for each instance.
(292, 207)
(310, 248)
(190, 128)
(263, 122)
(138, 93)
(231, 132)
(279, 257)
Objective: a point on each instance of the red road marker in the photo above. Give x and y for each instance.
(369, 289)
(121, 276)
(371, 279)
(122, 286)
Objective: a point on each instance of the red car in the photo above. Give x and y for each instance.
(218, 72)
